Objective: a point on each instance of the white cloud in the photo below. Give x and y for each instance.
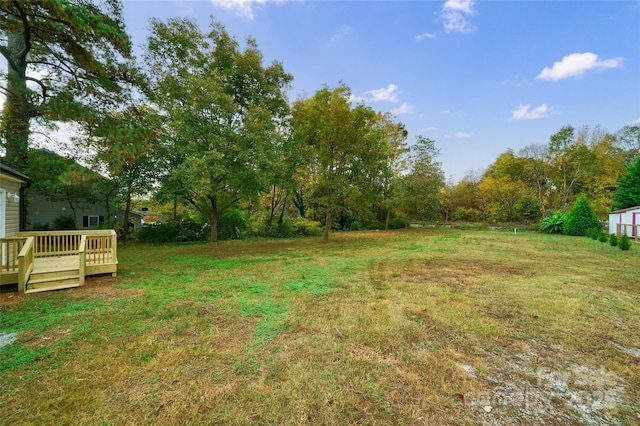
(384, 94)
(459, 135)
(239, 7)
(576, 64)
(243, 8)
(344, 31)
(378, 95)
(446, 111)
(455, 15)
(428, 129)
(405, 108)
(426, 35)
(636, 121)
(523, 112)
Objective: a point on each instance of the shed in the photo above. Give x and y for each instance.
(625, 221)
(12, 185)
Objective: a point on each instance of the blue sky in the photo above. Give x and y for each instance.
(478, 77)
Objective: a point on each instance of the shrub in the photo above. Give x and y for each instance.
(398, 223)
(553, 224)
(603, 238)
(624, 243)
(581, 218)
(38, 227)
(592, 233)
(178, 232)
(233, 225)
(613, 240)
(159, 233)
(64, 223)
(307, 227)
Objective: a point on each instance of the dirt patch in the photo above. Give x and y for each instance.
(459, 273)
(533, 388)
(44, 339)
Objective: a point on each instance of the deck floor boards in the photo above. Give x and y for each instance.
(55, 263)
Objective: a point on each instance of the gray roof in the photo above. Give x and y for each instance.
(11, 172)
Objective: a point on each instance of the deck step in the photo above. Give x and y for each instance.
(36, 279)
(44, 275)
(52, 287)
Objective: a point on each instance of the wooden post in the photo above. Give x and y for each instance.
(82, 252)
(114, 250)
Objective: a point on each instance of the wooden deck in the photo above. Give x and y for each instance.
(43, 261)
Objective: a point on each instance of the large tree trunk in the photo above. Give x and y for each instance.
(125, 219)
(17, 109)
(214, 219)
(386, 221)
(327, 224)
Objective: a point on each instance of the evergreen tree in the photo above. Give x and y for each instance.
(581, 218)
(628, 193)
(75, 53)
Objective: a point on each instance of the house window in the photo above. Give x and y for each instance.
(92, 221)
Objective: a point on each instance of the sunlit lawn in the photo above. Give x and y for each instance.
(405, 327)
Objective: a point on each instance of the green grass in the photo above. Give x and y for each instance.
(370, 328)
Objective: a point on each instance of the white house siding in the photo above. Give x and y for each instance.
(630, 216)
(12, 210)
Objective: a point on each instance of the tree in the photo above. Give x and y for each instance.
(396, 163)
(537, 172)
(347, 149)
(425, 182)
(224, 112)
(464, 198)
(62, 179)
(125, 146)
(628, 193)
(581, 218)
(566, 159)
(629, 139)
(73, 51)
(500, 196)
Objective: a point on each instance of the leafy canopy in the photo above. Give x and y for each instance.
(73, 52)
(628, 193)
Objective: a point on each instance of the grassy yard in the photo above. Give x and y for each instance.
(416, 327)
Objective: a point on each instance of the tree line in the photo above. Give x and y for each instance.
(205, 126)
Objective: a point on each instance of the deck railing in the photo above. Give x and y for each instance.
(25, 263)
(632, 231)
(96, 251)
(9, 249)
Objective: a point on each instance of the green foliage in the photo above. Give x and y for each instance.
(234, 225)
(422, 186)
(553, 224)
(603, 238)
(581, 218)
(179, 232)
(346, 151)
(628, 193)
(222, 96)
(398, 223)
(80, 49)
(592, 233)
(307, 227)
(36, 226)
(613, 240)
(527, 209)
(64, 222)
(624, 243)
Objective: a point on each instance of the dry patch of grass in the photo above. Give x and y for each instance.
(409, 327)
